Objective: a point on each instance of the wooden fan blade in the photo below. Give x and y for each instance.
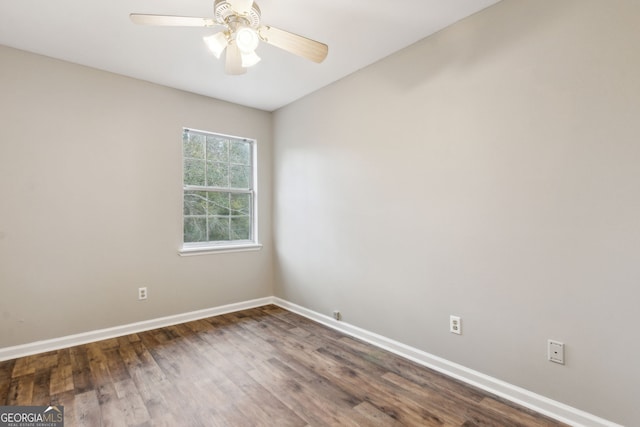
(241, 7)
(298, 45)
(233, 60)
(172, 21)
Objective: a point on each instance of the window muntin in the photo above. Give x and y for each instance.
(219, 190)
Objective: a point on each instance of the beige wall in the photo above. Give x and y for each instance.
(492, 172)
(90, 208)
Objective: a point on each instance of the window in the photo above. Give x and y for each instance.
(219, 202)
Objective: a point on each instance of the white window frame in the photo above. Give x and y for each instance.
(201, 248)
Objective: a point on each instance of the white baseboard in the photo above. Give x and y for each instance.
(29, 349)
(528, 399)
(551, 408)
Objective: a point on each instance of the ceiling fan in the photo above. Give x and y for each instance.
(240, 34)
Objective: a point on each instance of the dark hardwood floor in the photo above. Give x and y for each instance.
(258, 367)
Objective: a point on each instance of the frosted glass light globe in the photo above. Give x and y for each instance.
(247, 39)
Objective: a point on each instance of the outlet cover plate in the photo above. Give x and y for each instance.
(555, 351)
(455, 325)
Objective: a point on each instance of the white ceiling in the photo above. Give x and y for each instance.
(99, 34)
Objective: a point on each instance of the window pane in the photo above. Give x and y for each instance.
(193, 146)
(217, 149)
(217, 174)
(240, 204)
(195, 203)
(218, 203)
(218, 228)
(194, 172)
(240, 152)
(222, 167)
(195, 229)
(240, 176)
(240, 228)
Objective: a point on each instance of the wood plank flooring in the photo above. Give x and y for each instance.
(258, 367)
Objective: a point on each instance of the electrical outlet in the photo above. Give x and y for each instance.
(337, 315)
(455, 325)
(142, 293)
(555, 351)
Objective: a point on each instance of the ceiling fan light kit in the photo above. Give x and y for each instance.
(240, 35)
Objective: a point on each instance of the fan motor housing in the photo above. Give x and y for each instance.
(224, 13)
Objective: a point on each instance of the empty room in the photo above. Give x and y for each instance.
(310, 213)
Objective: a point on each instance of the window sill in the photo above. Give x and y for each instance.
(206, 250)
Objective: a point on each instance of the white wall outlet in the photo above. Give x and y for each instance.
(455, 325)
(555, 351)
(337, 315)
(142, 293)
